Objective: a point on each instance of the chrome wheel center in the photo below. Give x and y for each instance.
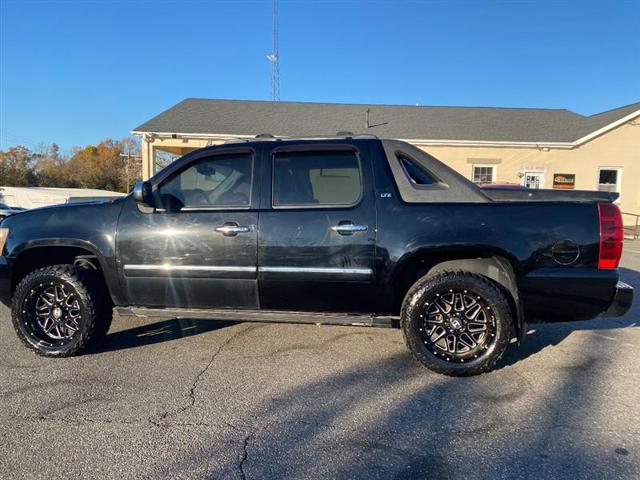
(455, 323)
(57, 313)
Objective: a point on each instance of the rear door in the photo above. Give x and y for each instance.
(316, 242)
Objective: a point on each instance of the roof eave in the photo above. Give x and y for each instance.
(487, 143)
(429, 142)
(607, 128)
(424, 142)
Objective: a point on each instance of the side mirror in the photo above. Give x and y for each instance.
(142, 193)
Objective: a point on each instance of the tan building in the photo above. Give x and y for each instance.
(538, 148)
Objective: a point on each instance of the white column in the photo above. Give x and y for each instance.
(148, 157)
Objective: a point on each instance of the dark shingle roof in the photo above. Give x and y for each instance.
(288, 119)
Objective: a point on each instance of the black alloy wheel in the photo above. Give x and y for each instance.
(457, 323)
(59, 310)
(51, 312)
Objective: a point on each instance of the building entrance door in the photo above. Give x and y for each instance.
(534, 180)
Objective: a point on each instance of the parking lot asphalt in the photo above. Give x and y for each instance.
(201, 399)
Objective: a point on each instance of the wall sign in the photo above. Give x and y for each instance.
(564, 180)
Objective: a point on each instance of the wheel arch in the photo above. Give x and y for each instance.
(41, 253)
(495, 266)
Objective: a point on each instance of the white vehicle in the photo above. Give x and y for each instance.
(33, 197)
(6, 210)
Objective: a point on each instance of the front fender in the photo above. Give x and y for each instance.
(90, 227)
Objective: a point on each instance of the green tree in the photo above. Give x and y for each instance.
(104, 166)
(51, 168)
(17, 167)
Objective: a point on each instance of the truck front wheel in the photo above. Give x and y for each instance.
(456, 323)
(59, 310)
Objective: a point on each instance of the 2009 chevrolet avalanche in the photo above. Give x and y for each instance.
(351, 231)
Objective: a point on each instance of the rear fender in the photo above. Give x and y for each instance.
(500, 271)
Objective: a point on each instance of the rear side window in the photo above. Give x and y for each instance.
(415, 173)
(316, 179)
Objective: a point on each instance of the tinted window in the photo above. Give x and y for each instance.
(221, 181)
(327, 178)
(416, 173)
(608, 177)
(608, 180)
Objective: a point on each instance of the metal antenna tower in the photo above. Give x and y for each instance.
(274, 58)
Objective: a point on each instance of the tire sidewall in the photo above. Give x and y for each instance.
(51, 275)
(481, 286)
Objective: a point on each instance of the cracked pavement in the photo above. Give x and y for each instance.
(193, 399)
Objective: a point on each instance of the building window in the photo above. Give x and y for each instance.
(483, 174)
(609, 179)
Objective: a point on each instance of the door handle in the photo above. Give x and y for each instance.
(348, 228)
(231, 229)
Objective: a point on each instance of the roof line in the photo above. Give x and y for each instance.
(613, 109)
(433, 142)
(586, 127)
(606, 128)
(436, 142)
(381, 104)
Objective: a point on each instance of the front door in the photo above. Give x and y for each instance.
(198, 246)
(316, 244)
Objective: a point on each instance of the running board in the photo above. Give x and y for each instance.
(357, 320)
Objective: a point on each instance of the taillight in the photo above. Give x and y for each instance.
(611, 235)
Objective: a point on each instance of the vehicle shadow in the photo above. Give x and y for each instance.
(538, 338)
(389, 418)
(158, 332)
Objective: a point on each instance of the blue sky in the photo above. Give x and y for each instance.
(75, 72)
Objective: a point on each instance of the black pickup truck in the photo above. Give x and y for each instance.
(350, 231)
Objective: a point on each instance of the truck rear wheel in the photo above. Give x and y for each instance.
(60, 310)
(456, 323)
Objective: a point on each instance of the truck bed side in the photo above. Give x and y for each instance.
(551, 246)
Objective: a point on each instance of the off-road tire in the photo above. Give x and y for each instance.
(497, 306)
(94, 304)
